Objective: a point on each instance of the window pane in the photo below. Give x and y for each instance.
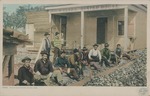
(120, 27)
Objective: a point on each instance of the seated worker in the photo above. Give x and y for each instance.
(84, 57)
(63, 65)
(85, 63)
(118, 52)
(25, 73)
(44, 71)
(95, 57)
(106, 55)
(74, 61)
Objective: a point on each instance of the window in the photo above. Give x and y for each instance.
(120, 28)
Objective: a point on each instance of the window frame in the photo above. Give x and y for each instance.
(118, 28)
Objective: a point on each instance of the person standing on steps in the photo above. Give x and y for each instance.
(57, 44)
(46, 43)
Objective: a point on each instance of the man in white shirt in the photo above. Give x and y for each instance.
(95, 57)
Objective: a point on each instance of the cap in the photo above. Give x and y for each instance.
(46, 33)
(44, 52)
(56, 33)
(84, 49)
(75, 50)
(26, 58)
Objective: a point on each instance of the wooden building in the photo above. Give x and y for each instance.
(85, 25)
(11, 39)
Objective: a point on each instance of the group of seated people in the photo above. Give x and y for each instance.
(44, 71)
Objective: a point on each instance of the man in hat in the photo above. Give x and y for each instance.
(95, 57)
(46, 43)
(63, 65)
(106, 55)
(25, 73)
(44, 70)
(57, 43)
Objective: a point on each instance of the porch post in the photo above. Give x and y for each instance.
(50, 22)
(125, 28)
(82, 29)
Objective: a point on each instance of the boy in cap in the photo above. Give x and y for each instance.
(44, 70)
(95, 57)
(46, 43)
(25, 73)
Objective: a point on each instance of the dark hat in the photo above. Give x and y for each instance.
(44, 52)
(56, 33)
(26, 58)
(75, 50)
(118, 44)
(84, 49)
(95, 45)
(46, 33)
(106, 45)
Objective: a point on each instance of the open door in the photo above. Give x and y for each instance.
(101, 30)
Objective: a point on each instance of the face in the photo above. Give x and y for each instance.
(118, 46)
(63, 55)
(47, 36)
(44, 56)
(85, 51)
(57, 36)
(95, 47)
(27, 63)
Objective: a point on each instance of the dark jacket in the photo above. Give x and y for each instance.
(85, 56)
(43, 68)
(62, 62)
(118, 52)
(106, 53)
(25, 74)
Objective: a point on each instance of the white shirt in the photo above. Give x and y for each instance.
(94, 52)
(44, 43)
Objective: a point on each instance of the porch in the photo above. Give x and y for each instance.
(86, 25)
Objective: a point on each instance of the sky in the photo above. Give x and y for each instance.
(12, 7)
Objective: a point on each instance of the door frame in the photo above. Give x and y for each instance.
(106, 27)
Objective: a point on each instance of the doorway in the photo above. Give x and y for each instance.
(63, 27)
(101, 30)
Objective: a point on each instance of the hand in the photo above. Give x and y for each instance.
(99, 61)
(68, 70)
(25, 82)
(61, 70)
(50, 74)
(33, 84)
(76, 62)
(38, 73)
